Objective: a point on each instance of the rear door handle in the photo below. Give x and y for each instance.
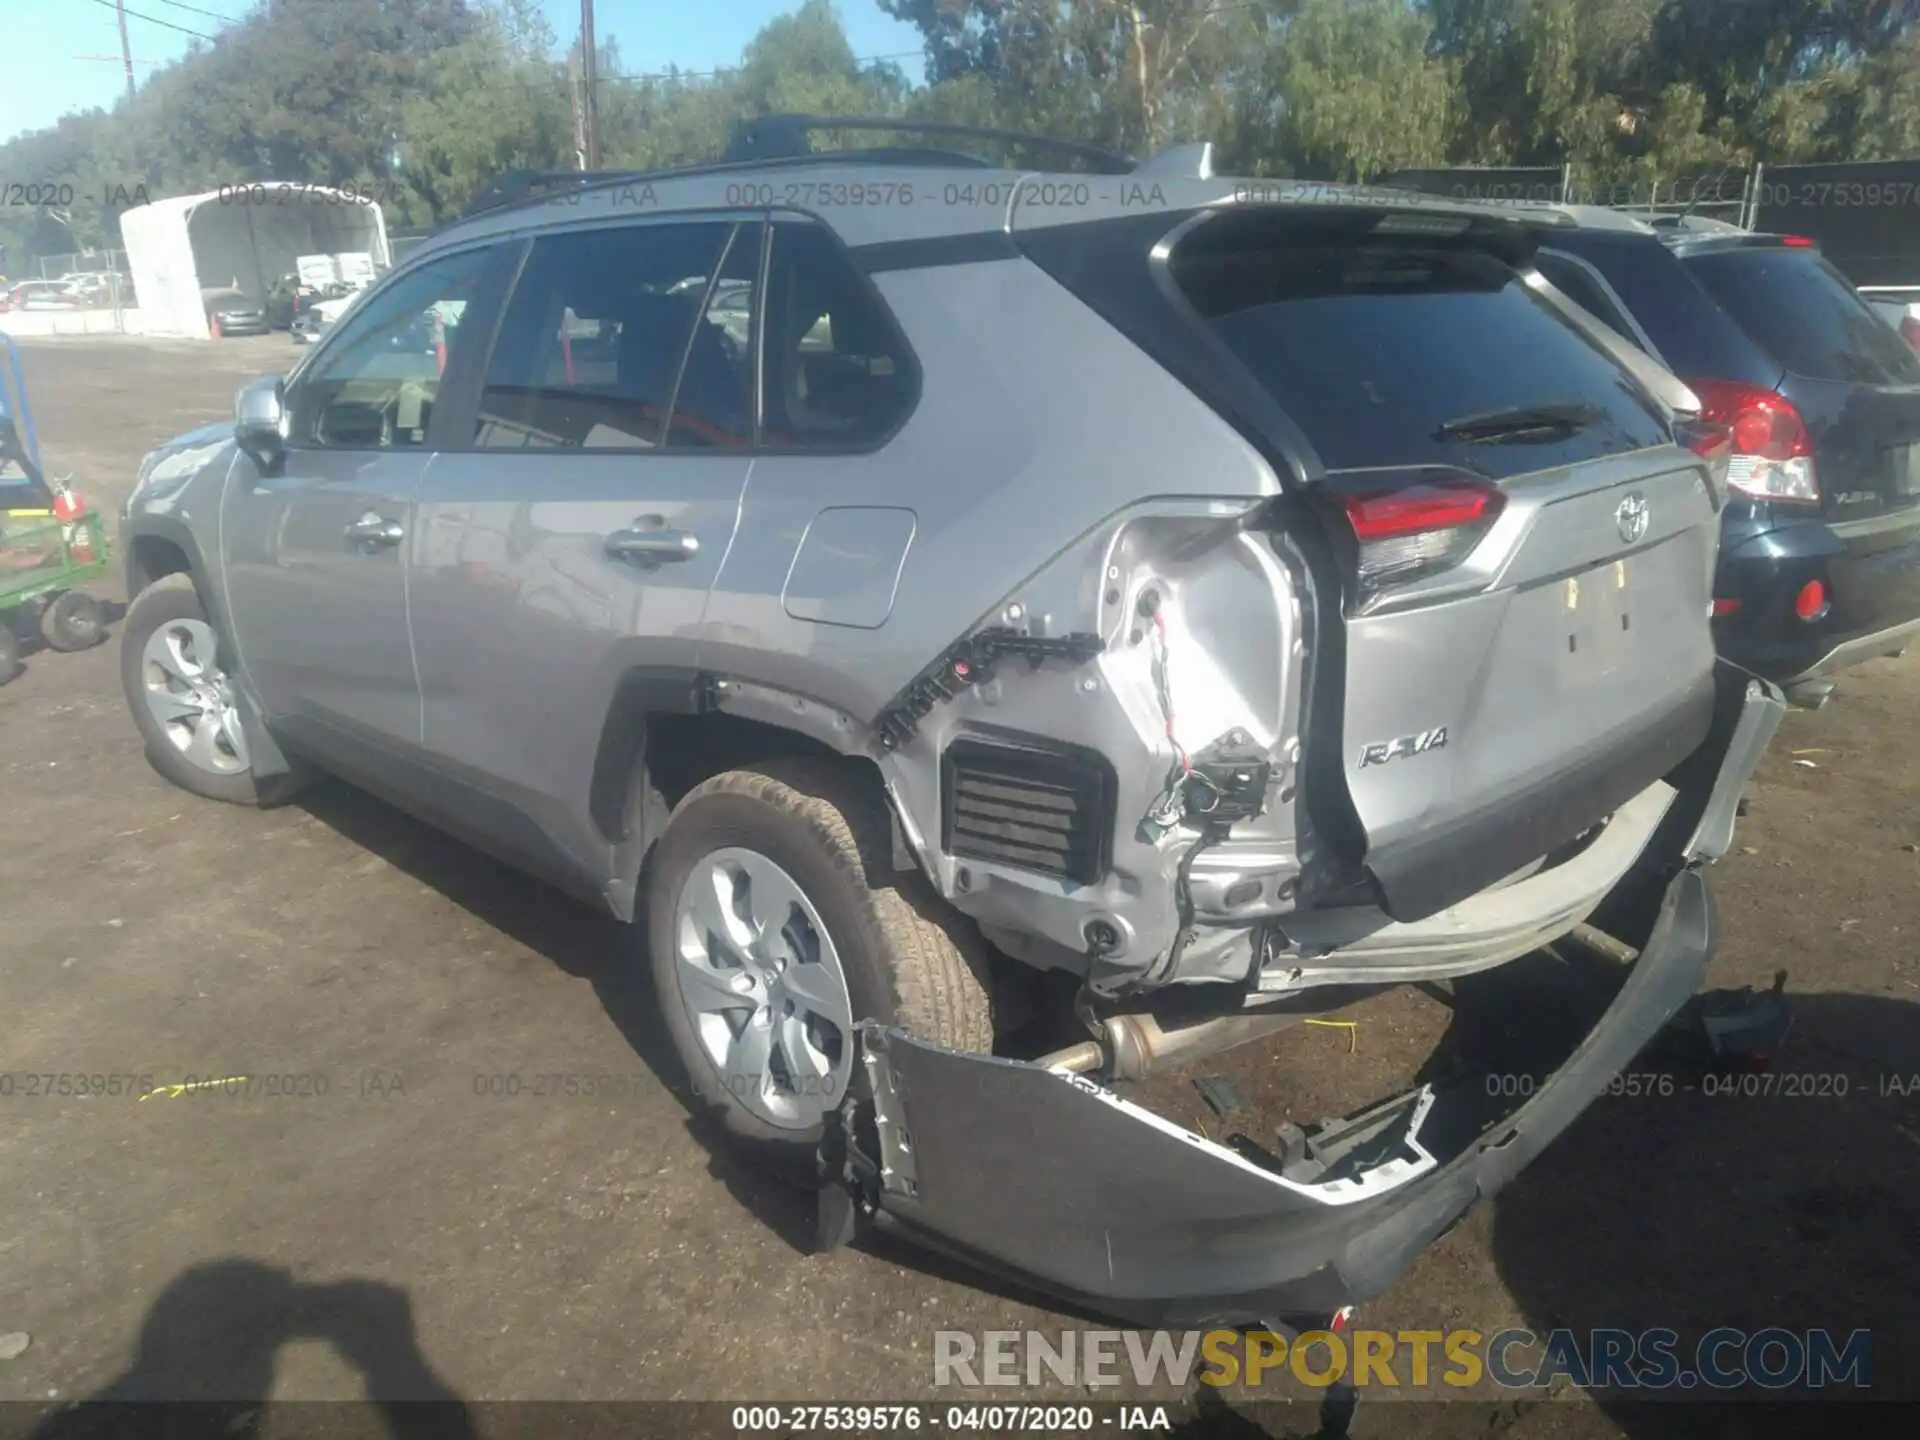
(654, 547)
(376, 532)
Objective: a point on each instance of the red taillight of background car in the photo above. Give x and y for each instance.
(1799, 242)
(1419, 528)
(1811, 603)
(1772, 455)
(1712, 441)
(1910, 328)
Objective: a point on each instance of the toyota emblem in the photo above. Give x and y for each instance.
(1631, 517)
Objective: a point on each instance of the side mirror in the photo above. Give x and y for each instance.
(260, 422)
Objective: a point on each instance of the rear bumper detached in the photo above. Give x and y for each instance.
(1056, 1181)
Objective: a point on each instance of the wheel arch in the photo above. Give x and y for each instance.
(158, 546)
(668, 730)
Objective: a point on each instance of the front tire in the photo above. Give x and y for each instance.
(9, 653)
(173, 670)
(776, 922)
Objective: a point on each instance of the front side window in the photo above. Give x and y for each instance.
(374, 388)
(606, 327)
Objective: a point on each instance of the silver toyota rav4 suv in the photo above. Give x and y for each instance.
(907, 588)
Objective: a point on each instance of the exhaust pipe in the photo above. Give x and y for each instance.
(1131, 1047)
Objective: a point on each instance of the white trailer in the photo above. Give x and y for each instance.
(243, 236)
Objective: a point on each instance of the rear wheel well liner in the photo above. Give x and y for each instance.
(665, 733)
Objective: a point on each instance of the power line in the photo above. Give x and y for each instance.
(736, 69)
(195, 9)
(163, 24)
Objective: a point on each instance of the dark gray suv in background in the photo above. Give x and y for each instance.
(896, 580)
(1820, 543)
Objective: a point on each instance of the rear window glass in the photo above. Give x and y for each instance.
(1799, 308)
(1374, 348)
(1691, 334)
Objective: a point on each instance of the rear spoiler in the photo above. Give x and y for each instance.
(1665, 387)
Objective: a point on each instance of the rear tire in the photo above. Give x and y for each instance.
(73, 621)
(173, 670)
(903, 958)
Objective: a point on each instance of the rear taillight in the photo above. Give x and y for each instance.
(1910, 328)
(1799, 242)
(1772, 455)
(1712, 441)
(1811, 602)
(1419, 528)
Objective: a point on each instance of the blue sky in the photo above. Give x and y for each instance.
(46, 76)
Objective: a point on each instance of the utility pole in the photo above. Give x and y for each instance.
(126, 50)
(579, 113)
(590, 85)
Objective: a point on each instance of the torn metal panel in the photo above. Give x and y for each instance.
(1053, 1178)
(1169, 642)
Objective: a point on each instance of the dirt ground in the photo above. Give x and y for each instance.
(408, 1233)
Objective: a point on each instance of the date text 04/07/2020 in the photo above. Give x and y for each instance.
(990, 1419)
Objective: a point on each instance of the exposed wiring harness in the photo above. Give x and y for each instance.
(1175, 800)
(1171, 803)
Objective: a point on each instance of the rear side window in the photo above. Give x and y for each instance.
(838, 374)
(1379, 350)
(1804, 313)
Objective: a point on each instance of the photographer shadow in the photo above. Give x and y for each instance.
(1785, 1198)
(206, 1356)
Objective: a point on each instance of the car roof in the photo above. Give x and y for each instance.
(922, 194)
(963, 201)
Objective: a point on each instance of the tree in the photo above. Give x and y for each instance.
(489, 103)
(1362, 97)
(1129, 74)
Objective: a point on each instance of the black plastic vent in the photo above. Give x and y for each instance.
(1033, 806)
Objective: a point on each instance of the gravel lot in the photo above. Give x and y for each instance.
(406, 1234)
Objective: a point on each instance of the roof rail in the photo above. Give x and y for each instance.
(514, 187)
(784, 137)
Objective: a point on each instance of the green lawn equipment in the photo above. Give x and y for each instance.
(50, 543)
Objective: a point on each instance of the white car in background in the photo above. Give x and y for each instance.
(1899, 306)
(322, 316)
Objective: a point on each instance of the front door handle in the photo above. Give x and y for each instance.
(653, 547)
(376, 532)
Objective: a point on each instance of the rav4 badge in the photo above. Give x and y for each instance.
(1405, 747)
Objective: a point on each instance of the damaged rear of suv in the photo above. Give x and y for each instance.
(1439, 692)
(1225, 599)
